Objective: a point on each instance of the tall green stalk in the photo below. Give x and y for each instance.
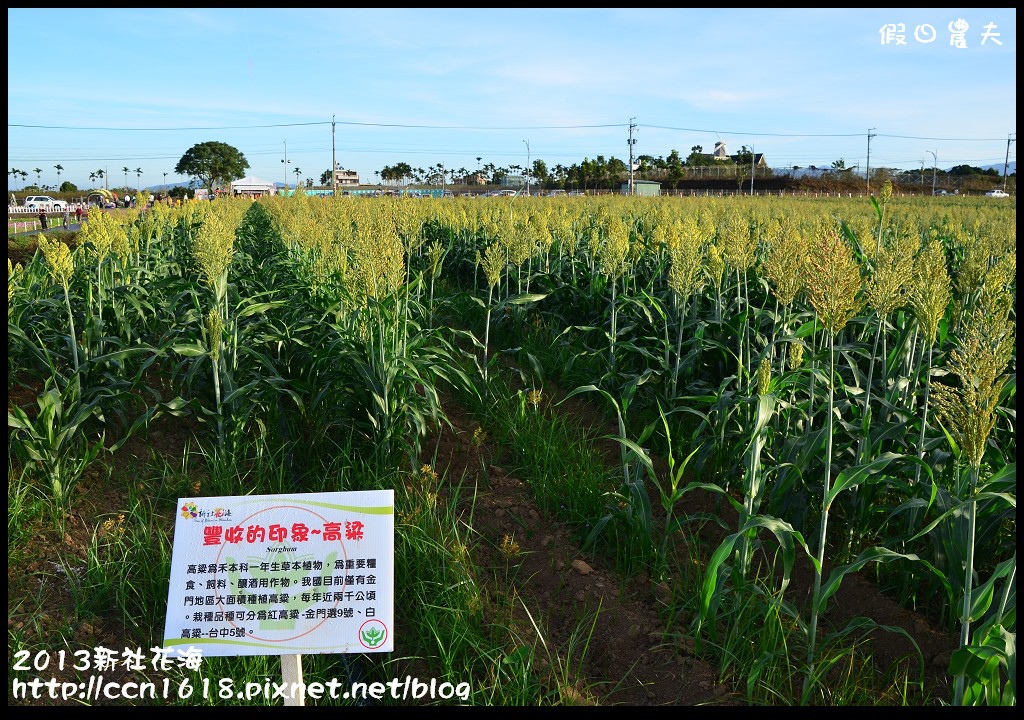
(969, 410)
(214, 329)
(612, 254)
(493, 263)
(679, 347)
(924, 413)
(833, 289)
(614, 331)
(823, 524)
(865, 439)
(212, 250)
(929, 297)
(965, 612)
(61, 266)
(753, 477)
(814, 375)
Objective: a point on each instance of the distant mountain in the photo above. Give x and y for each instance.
(807, 172)
(1010, 169)
(186, 184)
(165, 188)
(817, 171)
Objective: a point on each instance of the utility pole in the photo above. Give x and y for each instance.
(334, 163)
(285, 161)
(527, 167)
(632, 142)
(752, 156)
(1006, 164)
(935, 165)
(867, 172)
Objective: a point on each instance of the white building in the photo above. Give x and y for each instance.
(252, 186)
(345, 178)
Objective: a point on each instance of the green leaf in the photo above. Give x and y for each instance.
(765, 410)
(783, 532)
(1010, 500)
(807, 328)
(983, 594)
(980, 663)
(122, 354)
(852, 477)
(876, 206)
(187, 349)
(524, 299)
(870, 555)
(710, 585)
(255, 308)
(637, 451)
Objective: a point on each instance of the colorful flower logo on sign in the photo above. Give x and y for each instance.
(189, 510)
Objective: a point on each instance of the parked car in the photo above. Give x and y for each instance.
(997, 193)
(45, 202)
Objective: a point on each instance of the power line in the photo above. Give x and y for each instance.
(942, 139)
(328, 122)
(159, 129)
(821, 135)
(757, 134)
(480, 127)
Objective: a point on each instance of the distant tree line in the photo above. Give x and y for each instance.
(215, 164)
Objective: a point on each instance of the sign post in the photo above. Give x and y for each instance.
(291, 675)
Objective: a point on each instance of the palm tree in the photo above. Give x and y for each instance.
(126, 171)
(24, 176)
(15, 172)
(92, 177)
(58, 168)
(39, 176)
(298, 171)
(100, 174)
(138, 173)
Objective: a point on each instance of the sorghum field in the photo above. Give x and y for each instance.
(733, 451)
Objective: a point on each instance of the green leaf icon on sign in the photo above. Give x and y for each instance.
(373, 637)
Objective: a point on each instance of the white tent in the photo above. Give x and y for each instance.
(252, 186)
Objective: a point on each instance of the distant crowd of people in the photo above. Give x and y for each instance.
(44, 221)
(80, 210)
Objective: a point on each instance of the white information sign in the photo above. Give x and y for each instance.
(296, 574)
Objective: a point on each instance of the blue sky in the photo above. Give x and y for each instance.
(104, 88)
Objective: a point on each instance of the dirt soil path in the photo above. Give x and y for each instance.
(629, 656)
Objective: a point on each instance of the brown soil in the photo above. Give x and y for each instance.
(632, 657)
